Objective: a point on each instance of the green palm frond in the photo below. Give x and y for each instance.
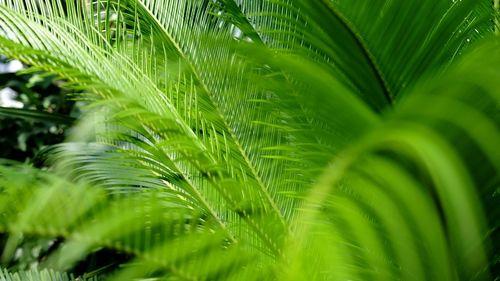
(265, 140)
(413, 171)
(36, 115)
(34, 275)
(378, 48)
(166, 235)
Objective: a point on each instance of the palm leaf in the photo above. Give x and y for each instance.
(235, 137)
(36, 115)
(34, 275)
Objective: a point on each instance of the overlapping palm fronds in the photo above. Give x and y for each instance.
(266, 139)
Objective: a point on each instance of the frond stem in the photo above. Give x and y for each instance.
(364, 49)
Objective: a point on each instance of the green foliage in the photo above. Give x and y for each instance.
(264, 140)
(43, 119)
(34, 275)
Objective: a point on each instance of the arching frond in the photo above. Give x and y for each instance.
(265, 140)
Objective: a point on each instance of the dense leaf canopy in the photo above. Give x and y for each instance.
(262, 139)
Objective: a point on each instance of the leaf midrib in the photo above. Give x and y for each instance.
(365, 51)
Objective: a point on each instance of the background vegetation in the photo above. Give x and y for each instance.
(251, 140)
(23, 138)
